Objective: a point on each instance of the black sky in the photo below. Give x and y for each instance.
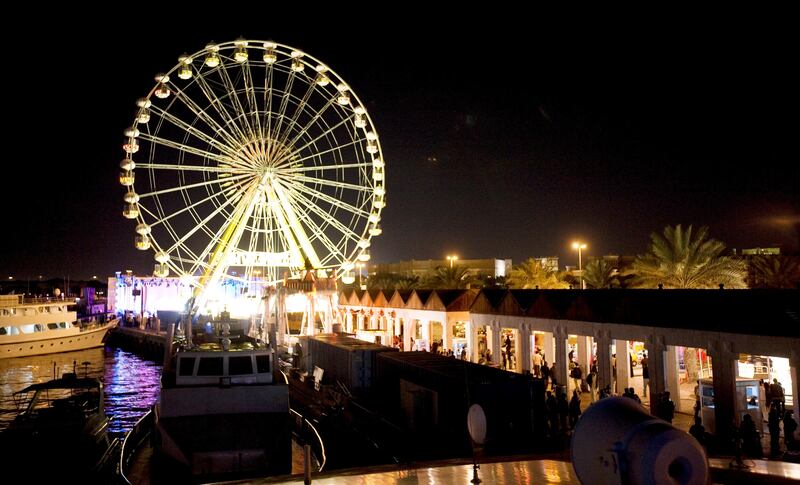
(503, 138)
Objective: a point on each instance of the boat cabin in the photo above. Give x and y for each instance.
(224, 368)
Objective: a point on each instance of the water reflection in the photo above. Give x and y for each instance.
(131, 382)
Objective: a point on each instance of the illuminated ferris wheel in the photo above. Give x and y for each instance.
(252, 158)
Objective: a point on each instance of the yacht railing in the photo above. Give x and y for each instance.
(133, 441)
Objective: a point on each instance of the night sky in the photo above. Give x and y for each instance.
(503, 138)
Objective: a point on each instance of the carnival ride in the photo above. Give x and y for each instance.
(254, 163)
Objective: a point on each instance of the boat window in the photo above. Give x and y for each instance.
(210, 366)
(63, 324)
(4, 330)
(38, 328)
(240, 365)
(262, 364)
(52, 326)
(186, 366)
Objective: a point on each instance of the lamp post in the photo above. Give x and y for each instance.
(451, 258)
(580, 247)
(359, 266)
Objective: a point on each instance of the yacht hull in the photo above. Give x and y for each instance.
(242, 430)
(72, 339)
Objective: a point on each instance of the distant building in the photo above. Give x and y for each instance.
(477, 267)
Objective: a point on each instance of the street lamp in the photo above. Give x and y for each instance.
(359, 266)
(580, 247)
(451, 258)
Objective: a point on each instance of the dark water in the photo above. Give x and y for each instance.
(131, 382)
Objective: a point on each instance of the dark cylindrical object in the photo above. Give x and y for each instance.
(307, 464)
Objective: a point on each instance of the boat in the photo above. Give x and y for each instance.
(61, 431)
(221, 412)
(36, 326)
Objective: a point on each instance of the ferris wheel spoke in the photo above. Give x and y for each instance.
(297, 228)
(235, 101)
(335, 223)
(287, 158)
(213, 241)
(289, 240)
(239, 201)
(192, 168)
(331, 183)
(315, 229)
(315, 168)
(219, 107)
(187, 148)
(250, 87)
(201, 113)
(193, 186)
(268, 107)
(324, 152)
(197, 133)
(308, 125)
(220, 194)
(281, 114)
(299, 108)
(330, 200)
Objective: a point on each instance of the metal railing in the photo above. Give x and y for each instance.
(132, 442)
(316, 444)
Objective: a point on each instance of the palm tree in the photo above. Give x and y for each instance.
(775, 271)
(533, 274)
(447, 278)
(686, 259)
(407, 283)
(600, 274)
(392, 281)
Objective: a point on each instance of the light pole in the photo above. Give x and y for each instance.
(451, 258)
(580, 247)
(359, 266)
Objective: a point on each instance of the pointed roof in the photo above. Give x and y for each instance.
(377, 298)
(487, 301)
(435, 303)
(366, 299)
(344, 294)
(542, 308)
(508, 305)
(457, 300)
(525, 298)
(418, 299)
(397, 300)
(355, 298)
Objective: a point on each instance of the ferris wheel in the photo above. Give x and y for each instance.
(250, 159)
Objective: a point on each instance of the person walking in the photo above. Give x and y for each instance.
(537, 364)
(645, 377)
(546, 374)
(577, 377)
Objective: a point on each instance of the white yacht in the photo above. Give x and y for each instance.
(44, 326)
(220, 412)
